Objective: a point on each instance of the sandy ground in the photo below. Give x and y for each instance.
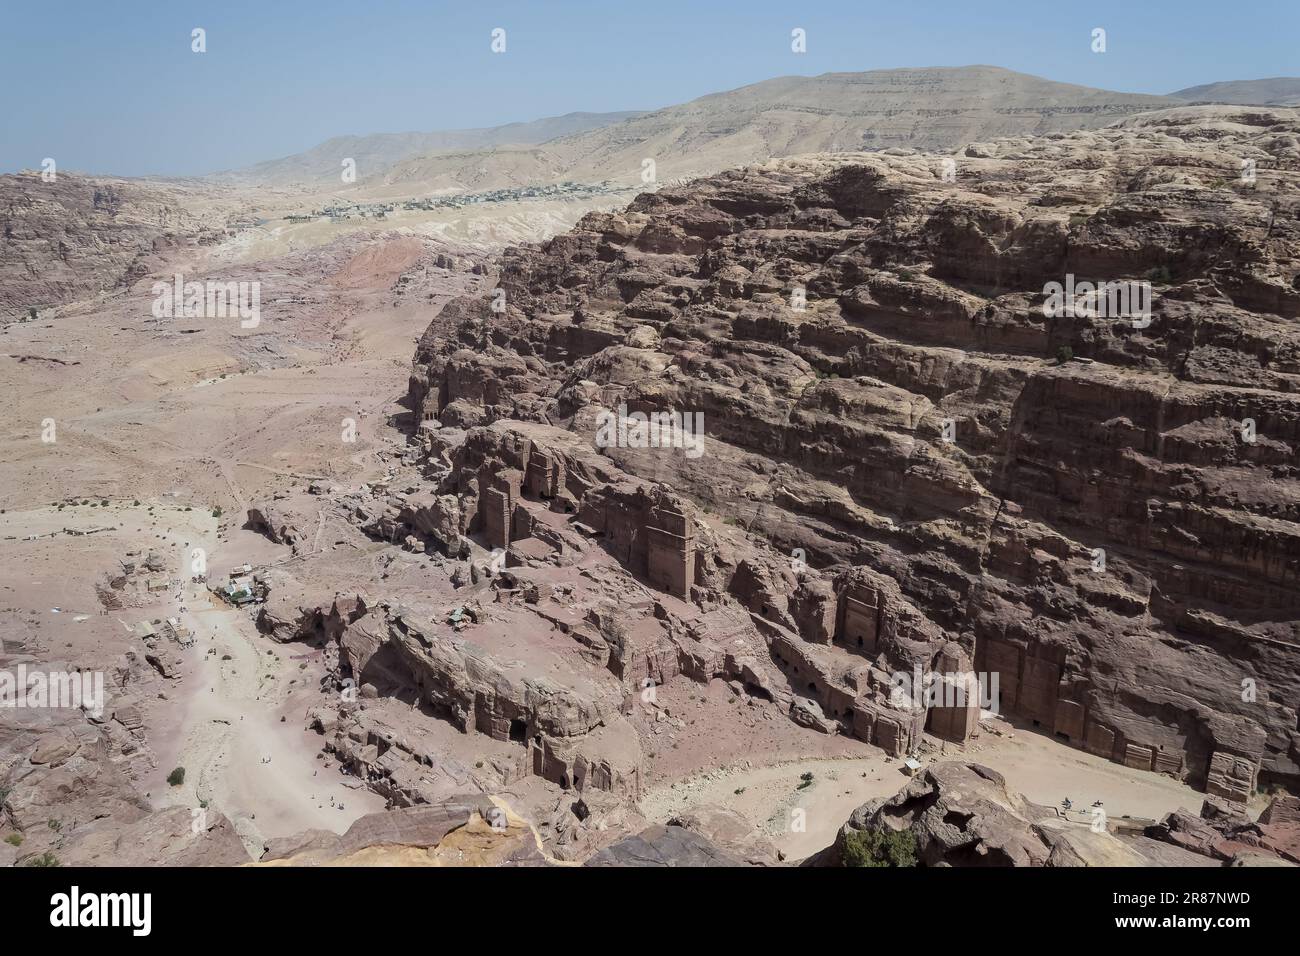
(240, 758)
(165, 423)
(802, 819)
(489, 225)
(221, 720)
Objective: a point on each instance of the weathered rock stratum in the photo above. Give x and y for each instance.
(76, 237)
(910, 463)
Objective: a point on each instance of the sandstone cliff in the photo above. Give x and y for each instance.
(78, 237)
(1101, 509)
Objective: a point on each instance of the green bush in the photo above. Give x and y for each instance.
(45, 859)
(880, 848)
(176, 777)
(1064, 354)
(14, 839)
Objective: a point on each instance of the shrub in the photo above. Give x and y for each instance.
(880, 848)
(176, 777)
(45, 859)
(1064, 354)
(14, 839)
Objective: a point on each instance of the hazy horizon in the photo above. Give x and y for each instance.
(274, 82)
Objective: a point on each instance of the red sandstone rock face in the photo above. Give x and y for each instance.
(909, 423)
(78, 237)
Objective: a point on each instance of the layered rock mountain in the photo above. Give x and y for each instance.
(933, 108)
(380, 151)
(909, 457)
(1274, 91)
(76, 237)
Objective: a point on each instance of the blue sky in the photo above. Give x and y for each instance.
(113, 87)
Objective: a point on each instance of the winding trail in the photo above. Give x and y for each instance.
(241, 759)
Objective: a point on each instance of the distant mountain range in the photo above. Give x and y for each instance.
(379, 151)
(921, 108)
(929, 109)
(1277, 91)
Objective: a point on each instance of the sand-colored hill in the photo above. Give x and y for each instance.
(380, 151)
(1274, 91)
(933, 108)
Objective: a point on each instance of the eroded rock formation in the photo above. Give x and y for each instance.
(901, 451)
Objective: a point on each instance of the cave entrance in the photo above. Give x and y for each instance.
(518, 731)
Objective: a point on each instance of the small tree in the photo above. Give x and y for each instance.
(880, 848)
(1064, 354)
(176, 777)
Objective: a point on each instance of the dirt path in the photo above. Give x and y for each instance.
(799, 817)
(803, 817)
(238, 755)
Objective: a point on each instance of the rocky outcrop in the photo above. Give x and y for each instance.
(960, 815)
(663, 846)
(1099, 506)
(177, 836)
(76, 237)
(556, 640)
(294, 611)
(1229, 836)
(963, 814)
(461, 831)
